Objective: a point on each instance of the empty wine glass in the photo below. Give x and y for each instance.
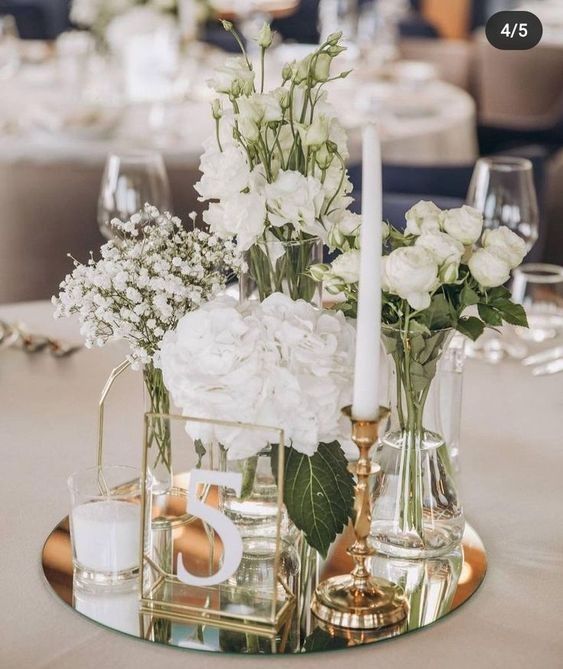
(130, 181)
(502, 188)
(538, 287)
(9, 49)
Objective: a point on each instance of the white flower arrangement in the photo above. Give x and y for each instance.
(276, 170)
(442, 263)
(145, 282)
(280, 363)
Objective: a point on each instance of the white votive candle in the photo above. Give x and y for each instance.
(105, 535)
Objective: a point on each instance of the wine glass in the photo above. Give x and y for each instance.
(130, 181)
(502, 188)
(9, 51)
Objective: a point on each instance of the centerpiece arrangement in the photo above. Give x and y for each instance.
(275, 175)
(441, 274)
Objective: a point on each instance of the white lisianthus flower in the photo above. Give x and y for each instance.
(443, 248)
(464, 224)
(278, 362)
(347, 266)
(234, 75)
(242, 215)
(488, 268)
(411, 273)
(297, 200)
(249, 129)
(224, 173)
(270, 107)
(506, 244)
(423, 217)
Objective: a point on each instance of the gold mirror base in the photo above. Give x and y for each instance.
(338, 602)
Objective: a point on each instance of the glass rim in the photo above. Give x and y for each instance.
(386, 326)
(289, 242)
(539, 272)
(71, 481)
(507, 163)
(139, 156)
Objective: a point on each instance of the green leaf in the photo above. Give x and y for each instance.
(200, 452)
(471, 327)
(318, 493)
(498, 294)
(514, 313)
(489, 314)
(468, 296)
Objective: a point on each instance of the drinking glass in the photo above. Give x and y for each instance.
(130, 181)
(9, 51)
(538, 287)
(502, 188)
(105, 523)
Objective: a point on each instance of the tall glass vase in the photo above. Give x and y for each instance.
(282, 267)
(157, 400)
(416, 510)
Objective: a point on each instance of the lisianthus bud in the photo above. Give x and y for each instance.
(217, 109)
(385, 232)
(324, 157)
(335, 50)
(317, 132)
(227, 25)
(449, 273)
(318, 272)
(287, 72)
(334, 38)
(322, 67)
(265, 36)
(302, 71)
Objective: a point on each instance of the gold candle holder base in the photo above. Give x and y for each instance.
(358, 600)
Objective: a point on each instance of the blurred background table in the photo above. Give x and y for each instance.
(511, 461)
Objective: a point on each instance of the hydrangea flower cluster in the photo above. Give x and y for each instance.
(145, 281)
(276, 169)
(442, 263)
(280, 362)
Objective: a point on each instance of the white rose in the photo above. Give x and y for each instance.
(347, 266)
(442, 247)
(224, 173)
(234, 74)
(506, 244)
(424, 216)
(464, 224)
(412, 274)
(488, 268)
(241, 214)
(297, 200)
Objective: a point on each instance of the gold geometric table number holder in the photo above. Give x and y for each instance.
(359, 601)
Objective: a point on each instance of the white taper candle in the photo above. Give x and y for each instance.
(366, 379)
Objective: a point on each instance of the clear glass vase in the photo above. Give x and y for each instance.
(157, 401)
(282, 267)
(416, 508)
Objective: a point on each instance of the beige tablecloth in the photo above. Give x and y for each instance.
(512, 462)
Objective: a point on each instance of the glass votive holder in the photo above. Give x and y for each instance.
(105, 524)
(538, 287)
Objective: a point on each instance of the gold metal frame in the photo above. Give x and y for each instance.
(156, 584)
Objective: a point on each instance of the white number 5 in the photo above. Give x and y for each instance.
(225, 528)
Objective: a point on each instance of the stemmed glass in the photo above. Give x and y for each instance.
(502, 188)
(9, 52)
(130, 181)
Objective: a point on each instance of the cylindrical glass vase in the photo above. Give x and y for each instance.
(275, 266)
(416, 508)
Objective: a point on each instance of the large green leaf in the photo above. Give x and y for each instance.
(319, 493)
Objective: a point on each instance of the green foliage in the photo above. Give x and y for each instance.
(318, 493)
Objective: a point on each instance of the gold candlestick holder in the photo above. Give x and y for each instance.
(358, 600)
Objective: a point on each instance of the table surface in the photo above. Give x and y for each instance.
(511, 482)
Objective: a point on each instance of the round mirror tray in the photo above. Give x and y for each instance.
(433, 588)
